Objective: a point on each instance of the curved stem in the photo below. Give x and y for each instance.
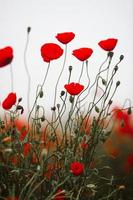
(60, 74)
(37, 95)
(28, 73)
(81, 72)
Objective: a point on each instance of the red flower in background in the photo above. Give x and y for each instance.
(6, 56)
(12, 198)
(51, 51)
(82, 54)
(27, 149)
(74, 88)
(77, 168)
(124, 124)
(109, 44)
(9, 101)
(65, 37)
(59, 195)
(129, 163)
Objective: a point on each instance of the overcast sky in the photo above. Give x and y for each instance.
(90, 20)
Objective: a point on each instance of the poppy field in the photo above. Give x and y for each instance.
(84, 149)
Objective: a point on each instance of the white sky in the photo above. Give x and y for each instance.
(90, 20)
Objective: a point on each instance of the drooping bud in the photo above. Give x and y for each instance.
(121, 57)
(28, 29)
(96, 109)
(116, 68)
(118, 83)
(62, 93)
(110, 102)
(104, 82)
(41, 94)
(70, 68)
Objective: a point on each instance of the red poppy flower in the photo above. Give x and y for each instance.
(65, 37)
(84, 145)
(124, 123)
(129, 163)
(74, 88)
(108, 45)
(6, 56)
(27, 149)
(59, 195)
(77, 168)
(12, 198)
(82, 54)
(9, 101)
(51, 51)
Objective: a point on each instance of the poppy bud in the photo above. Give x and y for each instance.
(70, 68)
(53, 108)
(118, 83)
(28, 29)
(116, 68)
(121, 57)
(41, 94)
(96, 109)
(62, 93)
(42, 118)
(104, 82)
(20, 99)
(110, 102)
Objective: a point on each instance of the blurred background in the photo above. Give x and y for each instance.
(90, 20)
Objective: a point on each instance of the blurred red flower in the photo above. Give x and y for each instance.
(124, 124)
(27, 149)
(65, 37)
(51, 51)
(82, 54)
(73, 88)
(59, 195)
(109, 44)
(129, 163)
(77, 168)
(84, 145)
(9, 101)
(12, 198)
(6, 56)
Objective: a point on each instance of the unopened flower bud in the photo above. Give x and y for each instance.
(96, 109)
(41, 94)
(28, 29)
(118, 83)
(58, 105)
(104, 82)
(62, 93)
(110, 102)
(42, 118)
(121, 57)
(116, 68)
(20, 99)
(70, 68)
(53, 108)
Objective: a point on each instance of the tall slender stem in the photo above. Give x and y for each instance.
(28, 73)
